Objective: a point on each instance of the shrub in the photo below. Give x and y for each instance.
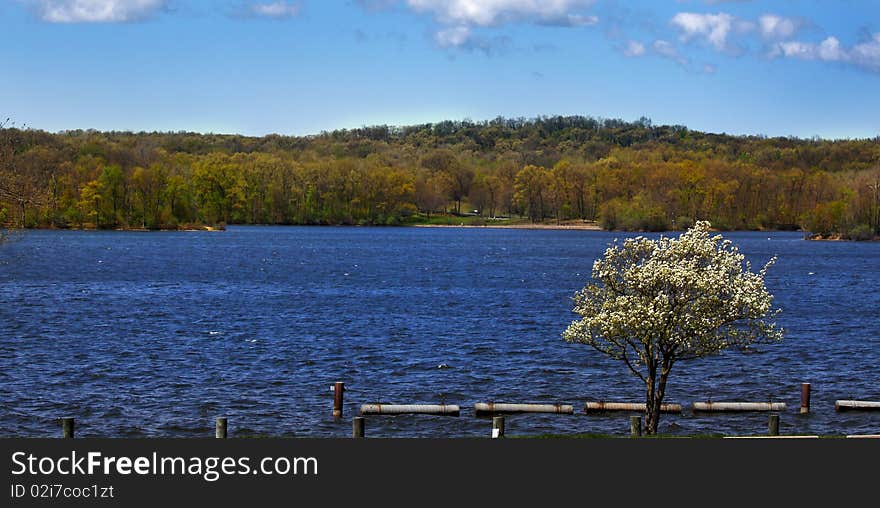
(633, 215)
(861, 233)
(683, 222)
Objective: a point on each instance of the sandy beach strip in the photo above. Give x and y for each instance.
(581, 227)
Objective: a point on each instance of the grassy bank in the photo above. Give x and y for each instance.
(504, 222)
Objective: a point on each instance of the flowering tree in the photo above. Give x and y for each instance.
(657, 302)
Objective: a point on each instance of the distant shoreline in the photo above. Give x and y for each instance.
(580, 227)
(840, 238)
(197, 227)
(566, 226)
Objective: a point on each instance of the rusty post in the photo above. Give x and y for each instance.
(338, 389)
(773, 427)
(67, 427)
(805, 398)
(497, 427)
(357, 426)
(635, 426)
(220, 428)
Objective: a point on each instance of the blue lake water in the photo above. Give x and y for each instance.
(156, 334)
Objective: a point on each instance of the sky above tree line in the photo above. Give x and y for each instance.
(776, 67)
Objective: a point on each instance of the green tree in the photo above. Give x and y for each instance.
(531, 186)
(111, 185)
(431, 191)
(216, 180)
(90, 203)
(827, 218)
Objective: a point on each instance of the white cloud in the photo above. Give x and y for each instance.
(462, 37)
(865, 55)
(717, 29)
(453, 37)
(494, 12)
(569, 20)
(459, 17)
(773, 26)
(633, 49)
(276, 9)
(830, 50)
(794, 49)
(714, 28)
(95, 11)
(668, 50)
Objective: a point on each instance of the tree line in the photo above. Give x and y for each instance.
(623, 175)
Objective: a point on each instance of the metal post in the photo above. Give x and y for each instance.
(357, 426)
(497, 427)
(338, 389)
(67, 427)
(805, 398)
(773, 427)
(635, 426)
(221, 428)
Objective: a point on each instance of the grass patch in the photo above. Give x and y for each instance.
(462, 220)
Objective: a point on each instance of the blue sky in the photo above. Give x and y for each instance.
(776, 67)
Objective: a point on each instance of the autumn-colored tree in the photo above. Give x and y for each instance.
(531, 191)
(631, 175)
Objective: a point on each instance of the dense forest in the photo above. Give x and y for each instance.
(623, 175)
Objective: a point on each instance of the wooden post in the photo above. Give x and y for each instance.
(805, 398)
(496, 408)
(67, 427)
(773, 427)
(635, 426)
(497, 427)
(600, 407)
(738, 406)
(221, 428)
(357, 426)
(338, 389)
(862, 405)
(415, 409)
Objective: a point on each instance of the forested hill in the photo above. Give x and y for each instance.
(625, 175)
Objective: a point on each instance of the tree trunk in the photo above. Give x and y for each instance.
(651, 415)
(655, 395)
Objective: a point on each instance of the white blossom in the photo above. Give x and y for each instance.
(655, 302)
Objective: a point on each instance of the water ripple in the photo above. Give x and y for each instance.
(171, 330)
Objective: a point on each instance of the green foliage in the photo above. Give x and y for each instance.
(633, 176)
(683, 222)
(861, 233)
(637, 214)
(827, 218)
